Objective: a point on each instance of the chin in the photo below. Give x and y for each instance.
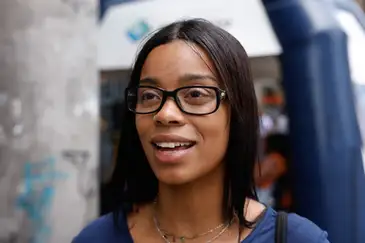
(173, 178)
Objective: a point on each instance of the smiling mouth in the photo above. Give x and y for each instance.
(172, 146)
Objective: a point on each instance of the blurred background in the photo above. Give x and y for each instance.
(64, 65)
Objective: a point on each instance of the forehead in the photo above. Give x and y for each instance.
(171, 63)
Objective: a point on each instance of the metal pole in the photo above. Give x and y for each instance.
(48, 119)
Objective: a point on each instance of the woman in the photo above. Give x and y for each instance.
(186, 166)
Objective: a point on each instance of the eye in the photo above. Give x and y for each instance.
(197, 93)
(198, 96)
(148, 94)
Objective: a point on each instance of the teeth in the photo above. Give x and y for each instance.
(171, 145)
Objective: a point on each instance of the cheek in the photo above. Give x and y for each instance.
(143, 125)
(215, 132)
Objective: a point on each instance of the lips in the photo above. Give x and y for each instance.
(171, 148)
(172, 145)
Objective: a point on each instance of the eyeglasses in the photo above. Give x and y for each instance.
(194, 100)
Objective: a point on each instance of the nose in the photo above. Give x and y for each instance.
(169, 114)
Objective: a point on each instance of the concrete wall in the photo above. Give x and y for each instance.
(48, 119)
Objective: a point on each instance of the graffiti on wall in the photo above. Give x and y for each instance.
(87, 178)
(37, 195)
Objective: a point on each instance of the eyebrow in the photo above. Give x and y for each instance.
(186, 78)
(148, 81)
(194, 77)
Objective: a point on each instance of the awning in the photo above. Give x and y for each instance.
(124, 26)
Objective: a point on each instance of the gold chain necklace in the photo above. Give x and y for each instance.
(164, 234)
(182, 239)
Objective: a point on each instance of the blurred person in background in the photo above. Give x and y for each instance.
(185, 171)
(272, 173)
(264, 190)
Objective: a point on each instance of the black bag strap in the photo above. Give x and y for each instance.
(281, 227)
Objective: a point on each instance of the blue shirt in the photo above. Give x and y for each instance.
(300, 230)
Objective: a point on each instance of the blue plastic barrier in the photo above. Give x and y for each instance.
(104, 5)
(330, 181)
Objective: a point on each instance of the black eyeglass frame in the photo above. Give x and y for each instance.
(220, 96)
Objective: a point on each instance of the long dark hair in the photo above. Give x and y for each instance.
(134, 181)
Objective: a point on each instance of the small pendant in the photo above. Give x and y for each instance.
(182, 239)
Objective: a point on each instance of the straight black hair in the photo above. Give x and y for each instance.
(134, 182)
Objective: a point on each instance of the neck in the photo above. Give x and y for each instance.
(191, 208)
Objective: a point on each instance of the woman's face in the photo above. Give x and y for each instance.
(194, 146)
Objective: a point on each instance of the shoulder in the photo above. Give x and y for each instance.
(299, 230)
(103, 230)
(302, 230)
